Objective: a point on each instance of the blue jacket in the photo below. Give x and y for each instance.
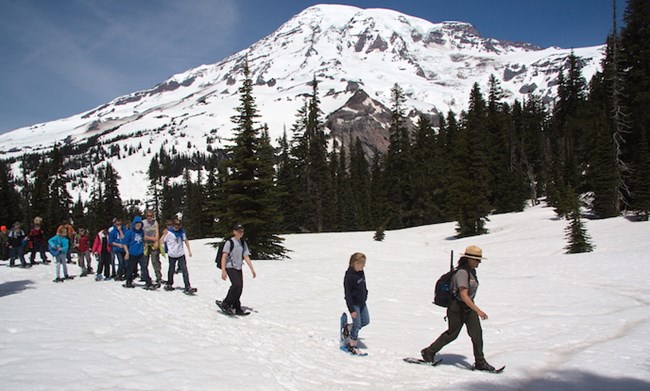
(134, 238)
(58, 245)
(113, 237)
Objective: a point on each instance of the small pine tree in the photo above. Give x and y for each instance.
(380, 234)
(579, 240)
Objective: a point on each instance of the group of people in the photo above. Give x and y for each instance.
(131, 247)
(122, 250)
(462, 309)
(137, 245)
(13, 242)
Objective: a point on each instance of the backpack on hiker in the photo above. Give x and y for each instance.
(217, 260)
(442, 292)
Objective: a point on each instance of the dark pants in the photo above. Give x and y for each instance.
(38, 248)
(134, 260)
(182, 264)
(105, 264)
(17, 253)
(458, 315)
(234, 293)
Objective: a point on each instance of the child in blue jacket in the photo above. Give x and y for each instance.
(58, 246)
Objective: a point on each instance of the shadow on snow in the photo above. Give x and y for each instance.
(13, 287)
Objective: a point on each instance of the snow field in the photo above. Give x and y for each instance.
(558, 321)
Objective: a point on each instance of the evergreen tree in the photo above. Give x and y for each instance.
(60, 199)
(641, 195)
(635, 68)
(79, 214)
(508, 190)
(360, 186)
(9, 197)
(398, 165)
(427, 176)
(469, 174)
(193, 205)
(576, 233)
(248, 189)
(155, 186)
(112, 199)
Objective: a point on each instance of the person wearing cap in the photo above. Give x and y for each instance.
(235, 252)
(463, 311)
(17, 240)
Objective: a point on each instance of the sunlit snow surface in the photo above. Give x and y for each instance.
(559, 322)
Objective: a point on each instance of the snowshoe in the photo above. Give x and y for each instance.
(189, 291)
(169, 288)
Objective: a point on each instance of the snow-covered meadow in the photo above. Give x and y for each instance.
(559, 322)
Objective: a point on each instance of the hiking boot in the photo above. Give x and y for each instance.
(427, 356)
(169, 288)
(483, 366)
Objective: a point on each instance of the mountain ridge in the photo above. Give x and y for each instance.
(357, 55)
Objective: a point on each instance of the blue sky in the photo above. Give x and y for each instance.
(63, 57)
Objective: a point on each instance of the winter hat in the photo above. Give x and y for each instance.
(3, 228)
(473, 252)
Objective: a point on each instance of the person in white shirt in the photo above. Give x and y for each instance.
(173, 240)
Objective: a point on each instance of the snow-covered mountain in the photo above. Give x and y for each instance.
(356, 54)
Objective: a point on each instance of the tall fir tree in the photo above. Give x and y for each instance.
(397, 169)
(469, 174)
(249, 194)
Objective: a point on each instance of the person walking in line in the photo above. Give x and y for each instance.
(356, 295)
(58, 245)
(235, 253)
(173, 241)
(463, 311)
(152, 245)
(17, 239)
(37, 241)
(134, 248)
(116, 240)
(102, 250)
(67, 224)
(83, 252)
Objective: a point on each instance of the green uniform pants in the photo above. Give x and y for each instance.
(458, 314)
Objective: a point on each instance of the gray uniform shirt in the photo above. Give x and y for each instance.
(460, 280)
(235, 259)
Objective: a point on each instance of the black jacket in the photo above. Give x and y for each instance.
(356, 292)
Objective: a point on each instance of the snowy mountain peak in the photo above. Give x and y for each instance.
(357, 55)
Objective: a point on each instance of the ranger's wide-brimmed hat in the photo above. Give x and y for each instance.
(473, 252)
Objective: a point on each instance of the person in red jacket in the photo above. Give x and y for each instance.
(38, 244)
(102, 249)
(83, 252)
